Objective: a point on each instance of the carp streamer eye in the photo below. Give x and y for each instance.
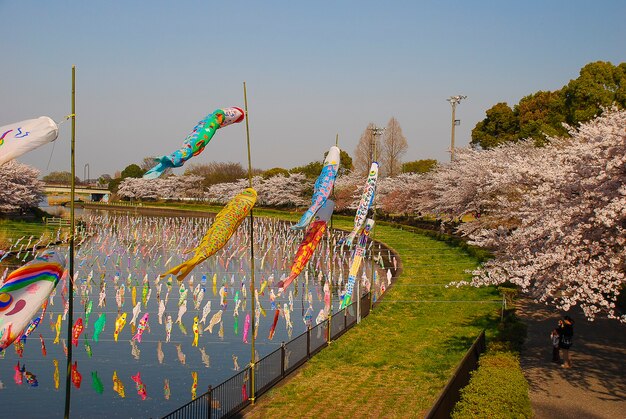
(5, 301)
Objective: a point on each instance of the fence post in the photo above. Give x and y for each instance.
(358, 301)
(282, 359)
(308, 342)
(209, 397)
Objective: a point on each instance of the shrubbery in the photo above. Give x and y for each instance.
(497, 389)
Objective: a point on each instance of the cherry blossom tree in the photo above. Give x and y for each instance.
(172, 187)
(279, 190)
(554, 216)
(20, 187)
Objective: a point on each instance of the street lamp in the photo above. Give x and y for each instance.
(454, 100)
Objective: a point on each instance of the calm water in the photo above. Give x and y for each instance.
(153, 377)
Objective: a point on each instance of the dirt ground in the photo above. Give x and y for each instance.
(595, 386)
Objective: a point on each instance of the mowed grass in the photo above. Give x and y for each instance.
(12, 230)
(395, 363)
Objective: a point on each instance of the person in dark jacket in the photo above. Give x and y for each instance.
(566, 334)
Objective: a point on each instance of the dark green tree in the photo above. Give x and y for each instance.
(599, 84)
(346, 162)
(500, 126)
(132, 170)
(542, 114)
(275, 171)
(60, 178)
(311, 170)
(419, 166)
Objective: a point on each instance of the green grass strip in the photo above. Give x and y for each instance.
(395, 363)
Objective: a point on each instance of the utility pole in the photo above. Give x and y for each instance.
(454, 100)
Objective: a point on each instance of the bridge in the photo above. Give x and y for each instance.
(96, 194)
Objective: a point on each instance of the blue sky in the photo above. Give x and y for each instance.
(147, 71)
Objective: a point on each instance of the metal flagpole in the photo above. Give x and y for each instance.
(377, 131)
(332, 261)
(70, 274)
(252, 285)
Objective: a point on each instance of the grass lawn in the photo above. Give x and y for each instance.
(12, 230)
(395, 363)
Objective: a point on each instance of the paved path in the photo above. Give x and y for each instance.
(595, 386)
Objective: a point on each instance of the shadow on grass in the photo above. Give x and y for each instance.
(506, 334)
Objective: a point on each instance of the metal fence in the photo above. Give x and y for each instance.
(233, 395)
(451, 393)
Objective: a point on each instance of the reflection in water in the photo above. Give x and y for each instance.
(77, 377)
(134, 349)
(141, 387)
(205, 358)
(18, 377)
(56, 374)
(194, 384)
(118, 386)
(31, 379)
(160, 354)
(181, 355)
(166, 389)
(96, 382)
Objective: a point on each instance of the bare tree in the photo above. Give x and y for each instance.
(364, 154)
(394, 147)
(149, 162)
(217, 172)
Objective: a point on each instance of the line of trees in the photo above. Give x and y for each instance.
(543, 114)
(389, 153)
(555, 216)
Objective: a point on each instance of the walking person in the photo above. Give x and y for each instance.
(566, 334)
(555, 339)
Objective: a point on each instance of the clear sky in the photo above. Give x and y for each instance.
(148, 71)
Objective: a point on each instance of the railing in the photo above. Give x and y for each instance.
(58, 222)
(233, 395)
(451, 393)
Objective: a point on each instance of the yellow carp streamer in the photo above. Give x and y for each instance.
(226, 223)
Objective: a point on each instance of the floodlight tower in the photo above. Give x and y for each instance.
(454, 100)
(376, 132)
